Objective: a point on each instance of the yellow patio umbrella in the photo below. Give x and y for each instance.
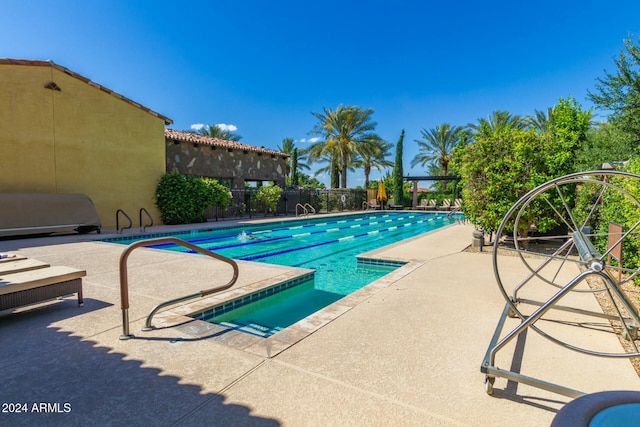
(382, 193)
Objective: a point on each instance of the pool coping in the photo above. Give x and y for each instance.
(180, 317)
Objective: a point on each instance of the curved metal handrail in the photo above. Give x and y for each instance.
(304, 210)
(311, 209)
(144, 228)
(124, 280)
(118, 212)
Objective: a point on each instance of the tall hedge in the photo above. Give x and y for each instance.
(183, 199)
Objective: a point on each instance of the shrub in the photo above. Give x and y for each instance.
(221, 194)
(269, 196)
(183, 199)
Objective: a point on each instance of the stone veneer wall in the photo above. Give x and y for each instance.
(222, 163)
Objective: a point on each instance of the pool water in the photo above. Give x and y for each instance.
(328, 246)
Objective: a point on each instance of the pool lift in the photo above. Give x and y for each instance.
(551, 272)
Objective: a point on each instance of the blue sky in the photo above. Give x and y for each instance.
(264, 66)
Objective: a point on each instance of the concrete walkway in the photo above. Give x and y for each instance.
(407, 351)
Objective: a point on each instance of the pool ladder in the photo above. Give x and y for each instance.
(143, 228)
(306, 209)
(124, 281)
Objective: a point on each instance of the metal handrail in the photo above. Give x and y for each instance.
(124, 281)
(304, 210)
(311, 208)
(118, 212)
(144, 228)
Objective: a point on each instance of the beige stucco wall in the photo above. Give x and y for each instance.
(77, 140)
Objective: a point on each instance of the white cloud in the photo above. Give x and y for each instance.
(197, 126)
(223, 126)
(310, 140)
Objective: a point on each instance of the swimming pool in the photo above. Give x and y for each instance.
(329, 246)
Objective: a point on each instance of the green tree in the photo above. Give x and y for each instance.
(437, 146)
(622, 210)
(332, 168)
(342, 131)
(372, 154)
(294, 167)
(541, 121)
(607, 143)
(269, 195)
(497, 169)
(619, 92)
(217, 131)
(288, 145)
(398, 172)
(497, 122)
(568, 129)
(309, 182)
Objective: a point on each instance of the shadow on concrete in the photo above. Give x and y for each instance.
(61, 379)
(510, 392)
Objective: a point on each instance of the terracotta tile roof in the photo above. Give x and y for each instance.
(195, 138)
(49, 63)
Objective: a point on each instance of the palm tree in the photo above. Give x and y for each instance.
(373, 154)
(332, 168)
(542, 121)
(437, 146)
(343, 131)
(215, 131)
(289, 147)
(498, 121)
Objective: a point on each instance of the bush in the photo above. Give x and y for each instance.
(269, 196)
(221, 194)
(183, 199)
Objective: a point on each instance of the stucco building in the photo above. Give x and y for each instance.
(232, 163)
(63, 133)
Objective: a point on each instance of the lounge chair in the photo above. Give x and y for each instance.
(392, 205)
(20, 265)
(428, 205)
(457, 203)
(373, 204)
(445, 206)
(39, 284)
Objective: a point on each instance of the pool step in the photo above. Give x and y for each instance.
(252, 328)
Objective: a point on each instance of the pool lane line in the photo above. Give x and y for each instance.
(234, 245)
(272, 239)
(228, 236)
(238, 244)
(341, 239)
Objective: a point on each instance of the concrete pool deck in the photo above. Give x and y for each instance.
(405, 353)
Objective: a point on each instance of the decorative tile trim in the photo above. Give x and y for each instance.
(230, 305)
(381, 262)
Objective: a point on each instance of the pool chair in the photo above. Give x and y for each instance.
(445, 206)
(373, 204)
(392, 205)
(26, 281)
(457, 203)
(428, 205)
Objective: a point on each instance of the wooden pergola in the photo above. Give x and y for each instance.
(416, 179)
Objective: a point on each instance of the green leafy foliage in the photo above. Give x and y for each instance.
(269, 196)
(619, 92)
(496, 170)
(183, 199)
(607, 143)
(398, 172)
(623, 211)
